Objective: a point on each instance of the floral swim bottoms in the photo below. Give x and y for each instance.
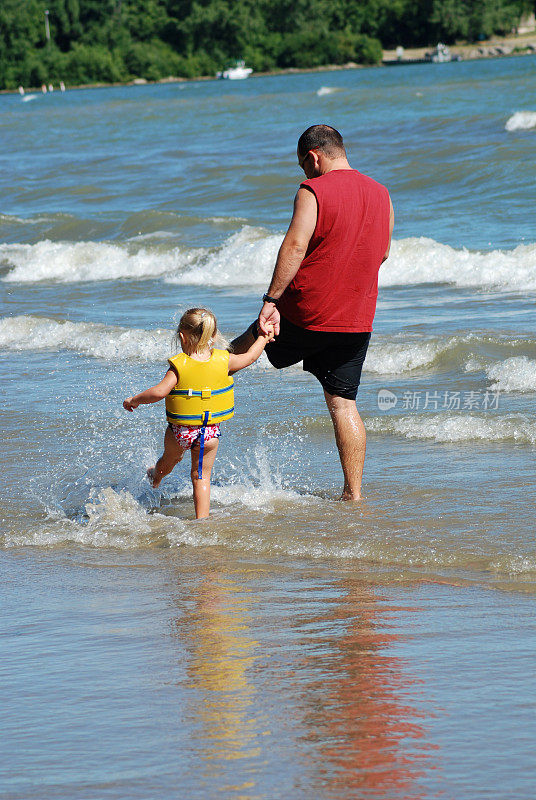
(187, 436)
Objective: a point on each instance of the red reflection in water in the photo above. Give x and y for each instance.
(371, 737)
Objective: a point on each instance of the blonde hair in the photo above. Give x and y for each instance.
(200, 330)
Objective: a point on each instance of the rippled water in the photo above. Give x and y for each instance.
(289, 646)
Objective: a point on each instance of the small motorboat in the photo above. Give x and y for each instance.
(236, 73)
(442, 55)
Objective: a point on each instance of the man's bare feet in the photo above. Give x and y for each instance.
(348, 497)
(151, 476)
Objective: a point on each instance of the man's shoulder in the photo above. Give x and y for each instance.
(344, 177)
(366, 179)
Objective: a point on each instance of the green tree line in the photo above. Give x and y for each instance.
(118, 40)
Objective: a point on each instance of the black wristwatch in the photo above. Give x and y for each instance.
(267, 299)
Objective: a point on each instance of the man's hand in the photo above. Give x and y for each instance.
(269, 316)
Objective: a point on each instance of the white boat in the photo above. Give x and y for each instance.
(442, 55)
(236, 73)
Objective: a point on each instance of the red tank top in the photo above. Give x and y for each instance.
(336, 286)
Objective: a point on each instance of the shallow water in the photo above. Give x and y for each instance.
(290, 646)
(143, 674)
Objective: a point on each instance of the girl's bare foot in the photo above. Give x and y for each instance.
(151, 475)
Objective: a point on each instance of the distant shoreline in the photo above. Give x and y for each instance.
(498, 47)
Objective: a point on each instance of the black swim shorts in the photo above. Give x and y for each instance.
(335, 359)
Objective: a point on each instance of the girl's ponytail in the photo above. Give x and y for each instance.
(208, 330)
(200, 329)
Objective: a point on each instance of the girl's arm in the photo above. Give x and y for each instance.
(238, 362)
(154, 394)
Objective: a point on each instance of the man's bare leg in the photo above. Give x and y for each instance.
(351, 441)
(243, 342)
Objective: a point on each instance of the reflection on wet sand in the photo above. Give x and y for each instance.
(340, 705)
(222, 651)
(372, 740)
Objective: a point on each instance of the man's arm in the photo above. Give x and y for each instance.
(291, 253)
(391, 226)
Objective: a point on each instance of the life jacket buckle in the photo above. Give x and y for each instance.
(190, 392)
(205, 394)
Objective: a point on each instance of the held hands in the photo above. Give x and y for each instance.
(270, 335)
(130, 404)
(269, 314)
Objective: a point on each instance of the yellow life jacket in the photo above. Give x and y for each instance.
(204, 386)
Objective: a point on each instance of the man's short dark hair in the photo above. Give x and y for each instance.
(321, 137)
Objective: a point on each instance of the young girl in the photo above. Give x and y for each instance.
(199, 395)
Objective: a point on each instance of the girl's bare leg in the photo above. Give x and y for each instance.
(202, 485)
(171, 456)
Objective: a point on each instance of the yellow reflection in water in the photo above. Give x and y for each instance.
(222, 651)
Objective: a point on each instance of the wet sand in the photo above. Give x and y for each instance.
(248, 678)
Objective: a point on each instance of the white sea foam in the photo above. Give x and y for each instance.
(27, 332)
(88, 261)
(422, 260)
(521, 121)
(327, 90)
(116, 519)
(393, 358)
(247, 257)
(112, 519)
(38, 219)
(517, 374)
(109, 342)
(388, 356)
(457, 427)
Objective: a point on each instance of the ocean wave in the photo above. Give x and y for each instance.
(394, 358)
(421, 260)
(457, 427)
(26, 332)
(471, 352)
(110, 519)
(255, 511)
(387, 356)
(517, 374)
(108, 342)
(38, 219)
(247, 257)
(67, 262)
(116, 519)
(327, 90)
(521, 121)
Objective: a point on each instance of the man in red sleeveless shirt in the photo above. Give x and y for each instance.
(322, 297)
